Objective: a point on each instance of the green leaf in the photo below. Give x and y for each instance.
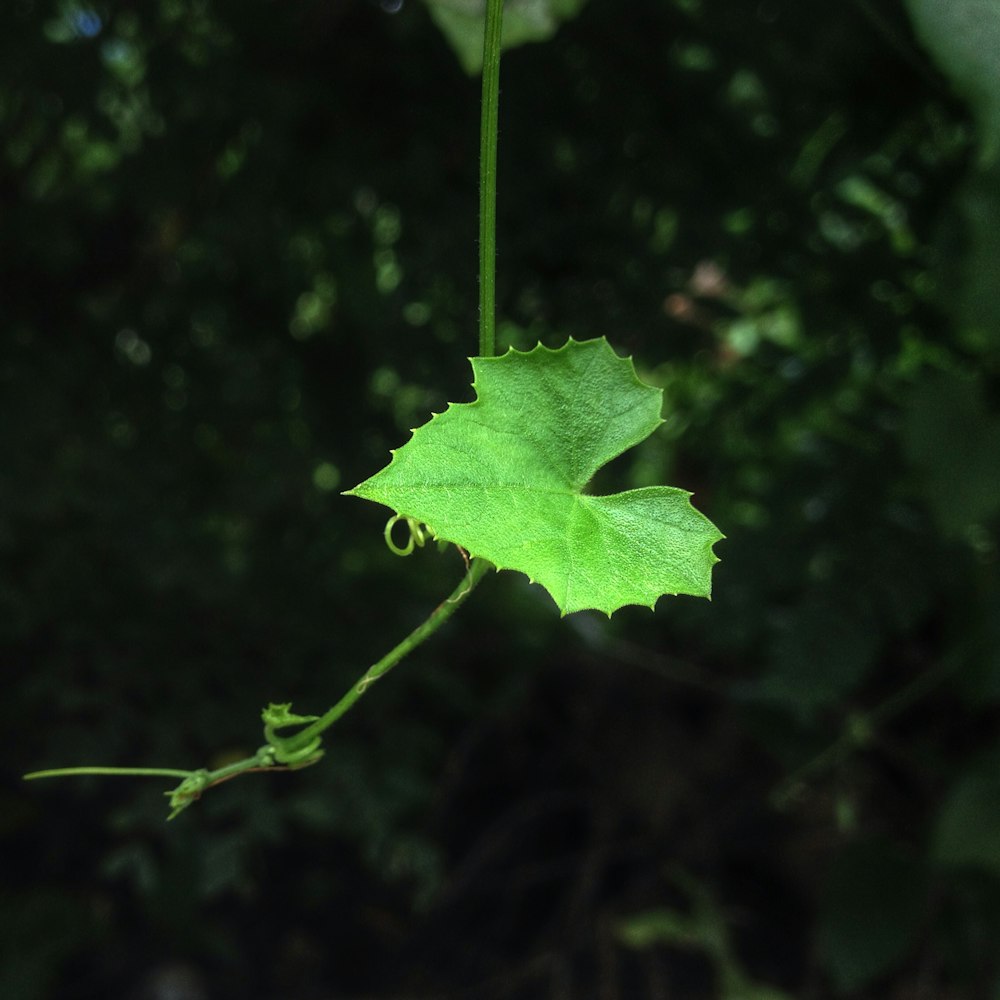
(873, 905)
(964, 38)
(819, 652)
(967, 834)
(951, 436)
(462, 22)
(505, 476)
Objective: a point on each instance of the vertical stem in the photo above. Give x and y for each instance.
(488, 178)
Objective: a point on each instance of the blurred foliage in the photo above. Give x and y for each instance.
(704, 928)
(237, 247)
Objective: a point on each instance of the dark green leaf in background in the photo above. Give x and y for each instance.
(968, 826)
(964, 37)
(873, 907)
(952, 437)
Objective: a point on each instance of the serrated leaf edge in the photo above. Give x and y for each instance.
(539, 347)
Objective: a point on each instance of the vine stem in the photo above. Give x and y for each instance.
(859, 731)
(302, 748)
(286, 753)
(488, 128)
(304, 737)
(136, 772)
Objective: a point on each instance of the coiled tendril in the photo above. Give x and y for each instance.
(419, 534)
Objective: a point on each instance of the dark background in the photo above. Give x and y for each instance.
(238, 263)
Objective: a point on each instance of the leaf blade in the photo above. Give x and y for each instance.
(502, 477)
